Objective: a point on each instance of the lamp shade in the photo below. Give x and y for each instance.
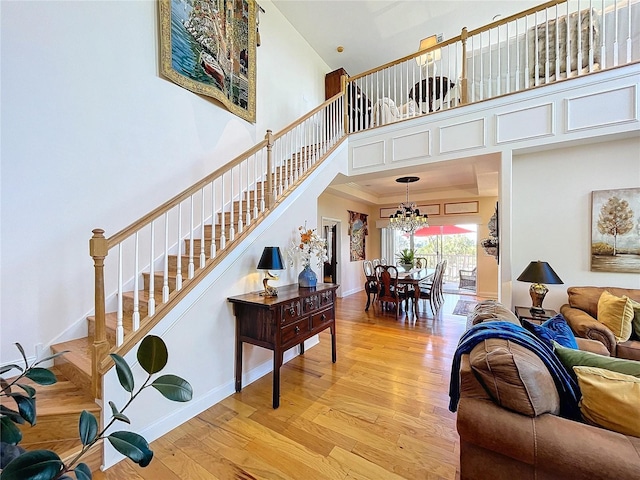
(539, 272)
(433, 55)
(271, 259)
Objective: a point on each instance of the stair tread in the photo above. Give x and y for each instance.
(79, 353)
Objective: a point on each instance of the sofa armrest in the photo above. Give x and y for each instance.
(550, 446)
(585, 326)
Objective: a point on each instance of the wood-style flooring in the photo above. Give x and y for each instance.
(379, 413)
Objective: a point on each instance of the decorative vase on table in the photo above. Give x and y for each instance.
(307, 277)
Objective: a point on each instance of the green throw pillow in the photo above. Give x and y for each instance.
(577, 358)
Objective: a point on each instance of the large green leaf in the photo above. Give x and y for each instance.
(51, 357)
(131, 445)
(152, 354)
(7, 368)
(9, 432)
(42, 376)
(26, 407)
(12, 414)
(31, 392)
(24, 356)
(124, 372)
(34, 465)
(88, 427)
(116, 413)
(173, 387)
(83, 472)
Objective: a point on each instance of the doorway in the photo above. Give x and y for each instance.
(331, 232)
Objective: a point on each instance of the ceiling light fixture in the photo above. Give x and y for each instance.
(408, 218)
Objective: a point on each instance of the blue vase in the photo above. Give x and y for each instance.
(307, 277)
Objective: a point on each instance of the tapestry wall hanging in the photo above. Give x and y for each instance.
(209, 48)
(615, 230)
(358, 229)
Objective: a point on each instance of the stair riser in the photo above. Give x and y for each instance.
(158, 282)
(53, 428)
(73, 373)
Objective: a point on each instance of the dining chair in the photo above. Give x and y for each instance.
(432, 290)
(370, 284)
(375, 262)
(388, 291)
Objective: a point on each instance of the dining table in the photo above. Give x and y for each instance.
(411, 277)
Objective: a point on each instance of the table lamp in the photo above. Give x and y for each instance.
(538, 273)
(271, 259)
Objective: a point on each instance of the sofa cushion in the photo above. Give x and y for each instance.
(556, 328)
(586, 298)
(629, 349)
(572, 358)
(491, 310)
(515, 377)
(616, 313)
(610, 399)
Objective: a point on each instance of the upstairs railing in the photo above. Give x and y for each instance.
(547, 43)
(150, 265)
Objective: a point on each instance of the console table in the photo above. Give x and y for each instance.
(279, 323)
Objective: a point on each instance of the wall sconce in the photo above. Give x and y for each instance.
(538, 273)
(429, 57)
(271, 259)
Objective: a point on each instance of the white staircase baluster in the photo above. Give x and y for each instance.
(203, 257)
(191, 270)
(179, 256)
(240, 222)
(119, 314)
(629, 45)
(152, 298)
(135, 318)
(165, 274)
(246, 192)
(223, 236)
(213, 219)
(232, 228)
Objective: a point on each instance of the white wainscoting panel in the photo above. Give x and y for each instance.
(463, 136)
(414, 145)
(587, 112)
(525, 123)
(368, 155)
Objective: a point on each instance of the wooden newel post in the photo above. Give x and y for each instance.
(464, 94)
(98, 249)
(269, 193)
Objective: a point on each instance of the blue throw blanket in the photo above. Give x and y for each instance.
(567, 387)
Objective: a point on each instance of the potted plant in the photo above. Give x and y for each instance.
(406, 258)
(19, 464)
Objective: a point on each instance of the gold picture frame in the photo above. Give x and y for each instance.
(209, 48)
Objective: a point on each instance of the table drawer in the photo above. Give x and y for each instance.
(291, 312)
(310, 303)
(293, 331)
(321, 318)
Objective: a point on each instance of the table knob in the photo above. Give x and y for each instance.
(297, 329)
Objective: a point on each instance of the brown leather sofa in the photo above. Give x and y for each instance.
(581, 314)
(498, 442)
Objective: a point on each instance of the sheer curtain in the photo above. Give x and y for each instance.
(388, 245)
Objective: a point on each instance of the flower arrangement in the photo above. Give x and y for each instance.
(310, 245)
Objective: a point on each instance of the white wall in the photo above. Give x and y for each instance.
(551, 209)
(94, 137)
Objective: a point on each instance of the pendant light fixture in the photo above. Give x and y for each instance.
(408, 218)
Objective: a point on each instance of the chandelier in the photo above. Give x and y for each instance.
(408, 218)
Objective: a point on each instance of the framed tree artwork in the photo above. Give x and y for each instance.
(615, 230)
(209, 48)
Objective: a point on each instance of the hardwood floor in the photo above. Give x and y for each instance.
(380, 412)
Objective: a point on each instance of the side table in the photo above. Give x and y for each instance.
(524, 313)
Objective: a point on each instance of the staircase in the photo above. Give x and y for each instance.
(59, 406)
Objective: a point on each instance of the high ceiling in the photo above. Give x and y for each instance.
(374, 32)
